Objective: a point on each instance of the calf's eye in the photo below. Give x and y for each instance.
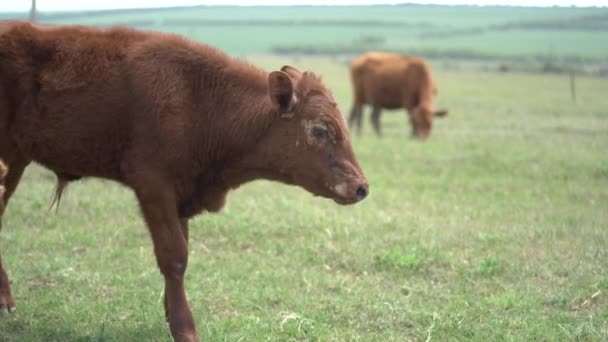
(320, 133)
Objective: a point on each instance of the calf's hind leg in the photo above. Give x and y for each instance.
(15, 165)
(6, 298)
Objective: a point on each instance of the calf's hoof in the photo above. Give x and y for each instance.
(5, 310)
(7, 303)
(184, 337)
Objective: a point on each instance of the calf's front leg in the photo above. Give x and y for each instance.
(16, 165)
(158, 205)
(184, 225)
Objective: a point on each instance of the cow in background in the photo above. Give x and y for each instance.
(391, 81)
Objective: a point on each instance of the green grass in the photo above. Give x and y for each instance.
(494, 229)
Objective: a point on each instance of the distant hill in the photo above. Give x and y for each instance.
(516, 34)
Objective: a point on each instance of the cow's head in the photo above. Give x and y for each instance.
(309, 138)
(422, 120)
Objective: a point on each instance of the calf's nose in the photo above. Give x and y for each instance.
(362, 192)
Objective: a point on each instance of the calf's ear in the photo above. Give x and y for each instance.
(281, 91)
(291, 71)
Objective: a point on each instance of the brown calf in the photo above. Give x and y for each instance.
(178, 122)
(391, 81)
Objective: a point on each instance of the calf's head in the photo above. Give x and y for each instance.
(308, 141)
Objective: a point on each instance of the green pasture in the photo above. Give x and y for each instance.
(495, 229)
(492, 31)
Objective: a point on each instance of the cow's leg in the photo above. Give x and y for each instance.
(184, 225)
(359, 119)
(16, 165)
(376, 120)
(355, 118)
(158, 204)
(410, 116)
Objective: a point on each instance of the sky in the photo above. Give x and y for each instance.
(62, 5)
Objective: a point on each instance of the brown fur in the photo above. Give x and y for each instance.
(391, 81)
(178, 122)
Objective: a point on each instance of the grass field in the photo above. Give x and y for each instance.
(494, 229)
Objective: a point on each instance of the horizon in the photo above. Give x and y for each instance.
(66, 5)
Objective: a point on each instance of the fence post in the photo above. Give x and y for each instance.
(33, 12)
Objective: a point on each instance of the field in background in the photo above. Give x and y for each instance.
(547, 39)
(493, 229)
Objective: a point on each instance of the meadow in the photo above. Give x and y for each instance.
(494, 229)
